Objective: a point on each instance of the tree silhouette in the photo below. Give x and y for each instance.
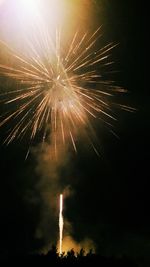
(52, 258)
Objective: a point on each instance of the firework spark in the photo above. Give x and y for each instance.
(60, 223)
(57, 87)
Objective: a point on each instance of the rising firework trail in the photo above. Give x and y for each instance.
(59, 87)
(61, 223)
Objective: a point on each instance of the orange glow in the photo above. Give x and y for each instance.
(24, 20)
(69, 243)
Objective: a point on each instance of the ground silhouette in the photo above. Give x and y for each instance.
(52, 258)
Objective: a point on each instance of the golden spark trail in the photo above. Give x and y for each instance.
(61, 87)
(61, 223)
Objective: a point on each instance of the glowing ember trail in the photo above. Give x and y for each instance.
(61, 223)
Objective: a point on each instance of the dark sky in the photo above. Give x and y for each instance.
(111, 199)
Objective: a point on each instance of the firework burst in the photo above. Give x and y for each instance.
(60, 87)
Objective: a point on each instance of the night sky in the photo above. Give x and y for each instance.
(109, 200)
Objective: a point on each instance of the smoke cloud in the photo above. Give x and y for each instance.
(54, 167)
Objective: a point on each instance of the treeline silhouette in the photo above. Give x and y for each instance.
(52, 258)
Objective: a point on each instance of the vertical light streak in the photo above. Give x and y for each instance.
(61, 223)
